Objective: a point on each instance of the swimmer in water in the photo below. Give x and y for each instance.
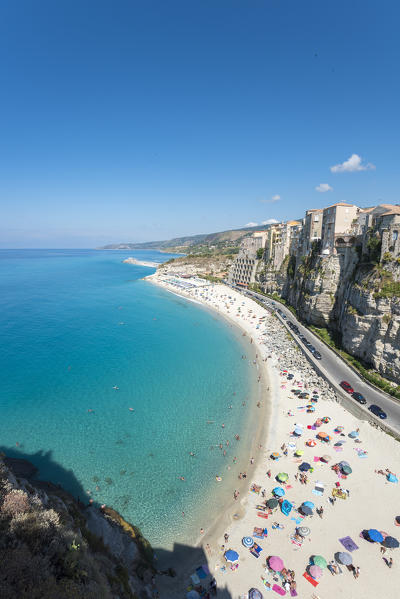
(181, 478)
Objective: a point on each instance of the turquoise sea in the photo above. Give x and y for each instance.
(76, 323)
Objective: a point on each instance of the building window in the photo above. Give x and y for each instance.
(395, 235)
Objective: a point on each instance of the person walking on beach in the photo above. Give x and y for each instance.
(226, 537)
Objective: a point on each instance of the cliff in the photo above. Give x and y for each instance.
(51, 546)
(357, 299)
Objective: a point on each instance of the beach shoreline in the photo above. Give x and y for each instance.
(233, 510)
(287, 411)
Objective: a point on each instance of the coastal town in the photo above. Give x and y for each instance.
(335, 230)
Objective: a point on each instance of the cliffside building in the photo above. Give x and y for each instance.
(244, 268)
(338, 227)
(311, 231)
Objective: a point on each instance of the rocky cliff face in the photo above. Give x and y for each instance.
(359, 301)
(53, 547)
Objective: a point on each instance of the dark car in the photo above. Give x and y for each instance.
(317, 355)
(347, 387)
(377, 411)
(358, 397)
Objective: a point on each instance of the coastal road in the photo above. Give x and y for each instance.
(336, 370)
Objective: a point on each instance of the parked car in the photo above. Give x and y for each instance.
(377, 411)
(358, 397)
(317, 355)
(347, 387)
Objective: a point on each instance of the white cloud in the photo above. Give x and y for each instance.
(353, 164)
(270, 221)
(274, 198)
(323, 187)
(251, 225)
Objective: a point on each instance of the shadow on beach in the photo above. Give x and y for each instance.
(186, 562)
(183, 561)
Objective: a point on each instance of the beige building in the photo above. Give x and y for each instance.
(312, 230)
(338, 227)
(244, 268)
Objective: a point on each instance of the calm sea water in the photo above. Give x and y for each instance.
(76, 323)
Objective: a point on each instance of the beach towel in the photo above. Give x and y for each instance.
(348, 544)
(339, 494)
(310, 579)
(293, 593)
(279, 590)
(316, 459)
(206, 570)
(297, 520)
(296, 542)
(262, 515)
(316, 492)
(258, 532)
(267, 588)
(338, 448)
(195, 579)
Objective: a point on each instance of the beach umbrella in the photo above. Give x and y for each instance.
(320, 561)
(397, 521)
(305, 510)
(311, 443)
(303, 531)
(278, 491)
(338, 444)
(374, 535)
(353, 434)
(272, 503)
(298, 431)
(299, 452)
(193, 595)
(339, 429)
(255, 594)
(308, 504)
(344, 558)
(345, 467)
(304, 467)
(322, 434)
(275, 455)
(248, 542)
(326, 419)
(282, 477)
(326, 458)
(315, 571)
(391, 478)
(231, 556)
(275, 563)
(390, 543)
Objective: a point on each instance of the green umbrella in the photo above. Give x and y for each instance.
(282, 477)
(299, 452)
(320, 561)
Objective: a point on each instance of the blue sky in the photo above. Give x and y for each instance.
(142, 120)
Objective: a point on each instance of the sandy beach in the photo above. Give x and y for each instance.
(300, 435)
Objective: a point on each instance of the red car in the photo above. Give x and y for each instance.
(347, 387)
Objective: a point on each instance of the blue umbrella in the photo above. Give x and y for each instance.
(353, 434)
(231, 556)
(255, 594)
(304, 467)
(278, 491)
(391, 478)
(390, 543)
(298, 431)
(308, 504)
(304, 509)
(248, 542)
(375, 535)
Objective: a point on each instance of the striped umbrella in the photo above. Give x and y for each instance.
(303, 531)
(248, 542)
